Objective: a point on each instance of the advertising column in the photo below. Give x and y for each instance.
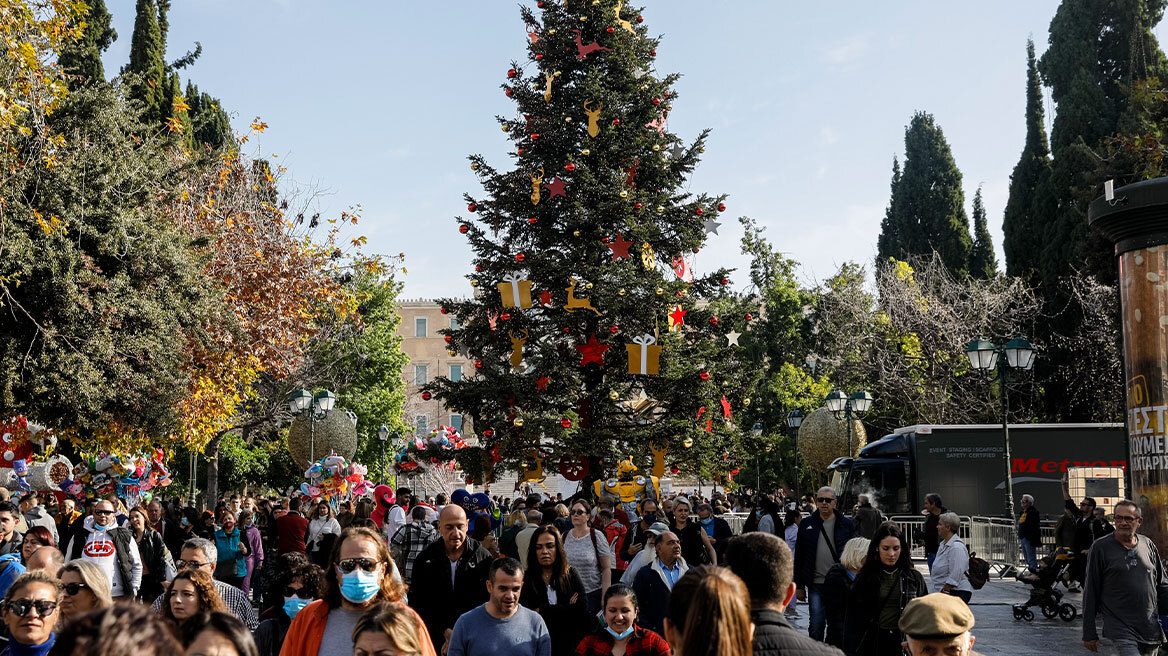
(1135, 219)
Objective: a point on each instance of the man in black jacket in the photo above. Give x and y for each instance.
(765, 565)
(820, 542)
(450, 576)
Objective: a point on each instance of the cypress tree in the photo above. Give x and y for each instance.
(210, 125)
(147, 63)
(1023, 241)
(982, 262)
(927, 211)
(888, 243)
(81, 59)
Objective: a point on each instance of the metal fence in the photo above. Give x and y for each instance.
(994, 539)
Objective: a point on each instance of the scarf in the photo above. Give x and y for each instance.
(17, 649)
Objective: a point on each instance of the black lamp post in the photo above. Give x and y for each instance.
(848, 408)
(301, 401)
(985, 356)
(794, 421)
(383, 435)
(756, 431)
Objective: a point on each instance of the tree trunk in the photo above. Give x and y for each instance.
(211, 453)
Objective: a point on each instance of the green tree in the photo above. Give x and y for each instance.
(927, 209)
(81, 59)
(1023, 241)
(210, 125)
(611, 182)
(149, 84)
(982, 262)
(889, 241)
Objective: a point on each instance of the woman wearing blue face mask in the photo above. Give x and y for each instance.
(360, 575)
(620, 634)
(300, 586)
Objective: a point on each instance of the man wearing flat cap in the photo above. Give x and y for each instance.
(937, 624)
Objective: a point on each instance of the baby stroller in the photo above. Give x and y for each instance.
(1043, 593)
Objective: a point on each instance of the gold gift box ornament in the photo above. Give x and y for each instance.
(515, 292)
(644, 356)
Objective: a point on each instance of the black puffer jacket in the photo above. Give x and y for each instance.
(862, 619)
(774, 636)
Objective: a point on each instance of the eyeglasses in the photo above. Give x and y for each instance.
(579, 512)
(289, 591)
(102, 512)
(193, 564)
(349, 564)
(44, 607)
(824, 499)
(1126, 518)
(72, 589)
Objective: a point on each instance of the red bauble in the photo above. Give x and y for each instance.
(640, 19)
(721, 207)
(569, 167)
(488, 433)
(616, 121)
(532, 220)
(695, 251)
(713, 321)
(449, 339)
(426, 396)
(478, 364)
(656, 101)
(444, 311)
(538, 57)
(478, 268)
(509, 93)
(567, 329)
(749, 316)
(724, 281)
(614, 329)
(653, 52)
(566, 423)
(610, 29)
(506, 316)
(464, 228)
(471, 207)
(519, 151)
(677, 293)
(539, 4)
(534, 136)
(673, 469)
(511, 72)
(698, 211)
(637, 205)
(705, 375)
(519, 257)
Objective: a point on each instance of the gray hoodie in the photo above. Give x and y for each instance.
(38, 516)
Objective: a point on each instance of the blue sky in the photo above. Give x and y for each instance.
(378, 103)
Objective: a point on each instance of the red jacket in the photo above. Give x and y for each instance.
(643, 642)
(290, 532)
(307, 630)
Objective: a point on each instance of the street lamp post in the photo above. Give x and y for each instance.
(984, 356)
(383, 435)
(794, 421)
(848, 408)
(756, 431)
(301, 401)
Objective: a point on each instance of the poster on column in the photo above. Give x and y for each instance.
(1143, 276)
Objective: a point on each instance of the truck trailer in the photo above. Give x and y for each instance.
(965, 464)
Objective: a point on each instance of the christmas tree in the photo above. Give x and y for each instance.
(592, 338)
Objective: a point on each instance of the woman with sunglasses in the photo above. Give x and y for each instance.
(35, 538)
(361, 575)
(552, 588)
(299, 585)
(588, 552)
(30, 612)
(86, 588)
(191, 592)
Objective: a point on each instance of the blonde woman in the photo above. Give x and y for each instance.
(838, 583)
(86, 588)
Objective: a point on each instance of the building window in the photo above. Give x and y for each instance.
(456, 422)
(454, 325)
(421, 374)
(422, 422)
(455, 373)
(419, 326)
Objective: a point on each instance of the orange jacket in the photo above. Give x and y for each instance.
(307, 630)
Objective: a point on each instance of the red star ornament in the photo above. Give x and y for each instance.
(545, 297)
(676, 318)
(542, 383)
(593, 351)
(620, 248)
(555, 188)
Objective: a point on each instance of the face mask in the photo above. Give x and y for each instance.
(185, 522)
(292, 605)
(99, 527)
(619, 636)
(359, 586)
(707, 521)
(650, 518)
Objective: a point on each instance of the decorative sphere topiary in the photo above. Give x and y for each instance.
(823, 438)
(334, 433)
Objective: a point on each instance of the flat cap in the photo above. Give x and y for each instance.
(658, 528)
(936, 615)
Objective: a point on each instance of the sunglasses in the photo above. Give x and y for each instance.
(579, 512)
(289, 591)
(103, 512)
(72, 589)
(1125, 518)
(349, 564)
(193, 564)
(824, 499)
(43, 607)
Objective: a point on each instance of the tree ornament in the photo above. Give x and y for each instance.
(620, 248)
(547, 91)
(648, 258)
(540, 4)
(592, 351)
(508, 93)
(569, 167)
(721, 207)
(656, 147)
(464, 228)
(725, 408)
(566, 423)
(578, 303)
(616, 121)
(644, 355)
(474, 283)
(687, 442)
(575, 233)
(748, 316)
(732, 338)
(698, 211)
(653, 52)
(656, 101)
(545, 297)
(659, 291)
(517, 342)
(640, 19)
(614, 329)
(637, 205)
(676, 318)
(541, 383)
(555, 188)
(536, 182)
(539, 57)
(426, 396)
(449, 339)
(506, 316)
(478, 364)
(623, 23)
(585, 152)
(704, 375)
(621, 291)
(710, 226)
(444, 310)
(520, 257)
(517, 422)
(511, 72)
(724, 281)
(746, 402)
(674, 470)
(474, 166)
(593, 117)
(488, 433)
(624, 194)
(533, 33)
(532, 220)
(583, 51)
(506, 128)
(574, 468)
(471, 207)
(660, 209)
(713, 321)
(613, 395)
(534, 136)
(610, 29)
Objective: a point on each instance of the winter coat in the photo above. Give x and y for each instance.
(38, 516)
(155, 560)
(862, 617)
(774, 636)
(567, 620)
(807, 544)
(434, 598)
(232, 559)
(867, 519)
(653, 591)
(834, 591)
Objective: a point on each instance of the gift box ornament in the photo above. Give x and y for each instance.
(644, 355)
(515, 292)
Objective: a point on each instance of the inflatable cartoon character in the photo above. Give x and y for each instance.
(629, 488)
(383, 497)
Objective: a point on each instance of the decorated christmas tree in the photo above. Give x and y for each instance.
(593, 339)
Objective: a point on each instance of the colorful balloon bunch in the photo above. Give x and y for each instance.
(438, 447)
(131, 477)
(332, 479)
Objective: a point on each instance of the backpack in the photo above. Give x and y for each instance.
(978, 572)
